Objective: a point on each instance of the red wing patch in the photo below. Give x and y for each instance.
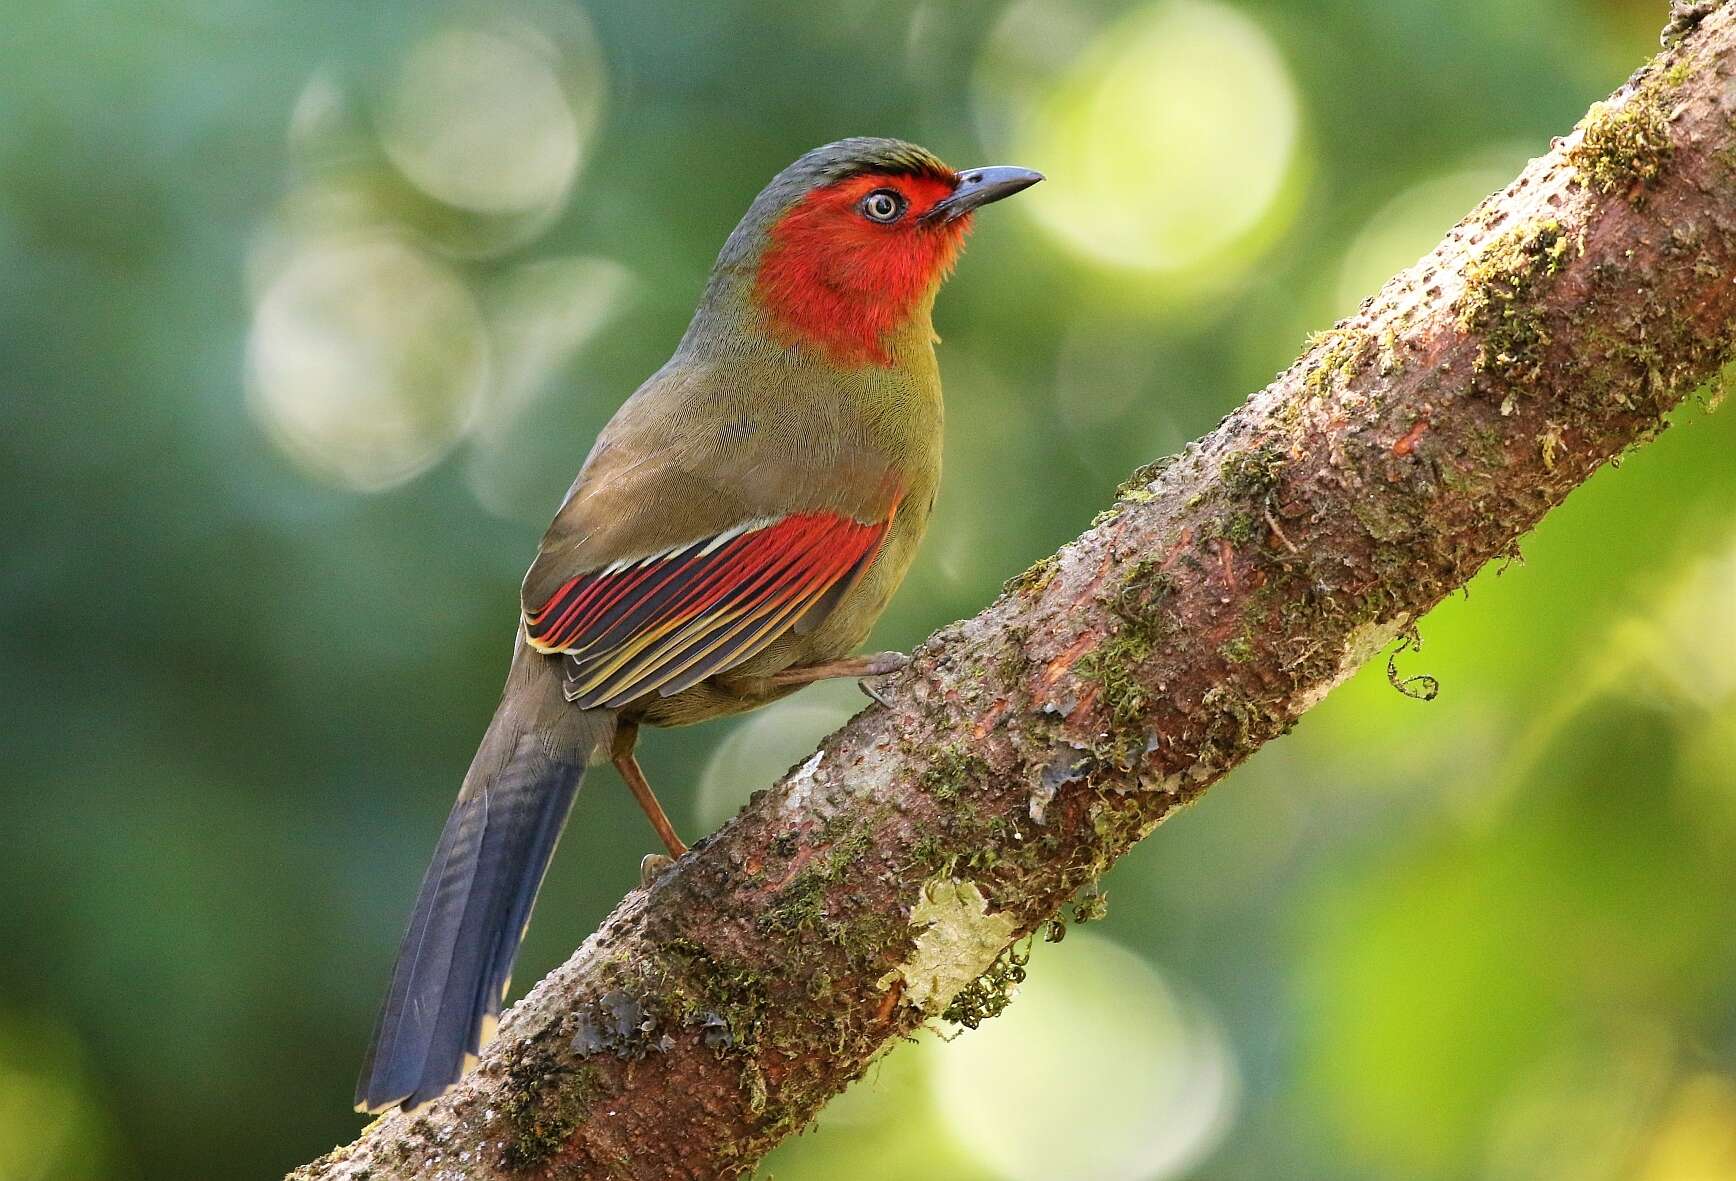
(666, 622)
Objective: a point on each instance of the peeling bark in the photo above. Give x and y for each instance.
(1228, 590)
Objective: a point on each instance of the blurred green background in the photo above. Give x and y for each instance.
(308, 313)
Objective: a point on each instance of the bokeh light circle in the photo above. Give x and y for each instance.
(1169, 134)
(367, 360)
(1098, 1069)
(485, 122)
(541, 315)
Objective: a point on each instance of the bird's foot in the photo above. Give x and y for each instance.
(873, 694)
(874, 664)
(653, 866)
(880, 664)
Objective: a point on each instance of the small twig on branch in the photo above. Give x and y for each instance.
(1027, 748)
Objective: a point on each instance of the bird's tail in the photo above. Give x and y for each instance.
(456, 960)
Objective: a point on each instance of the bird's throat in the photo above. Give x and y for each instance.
(848, 290)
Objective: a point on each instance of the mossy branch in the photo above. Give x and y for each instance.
(1224, 595)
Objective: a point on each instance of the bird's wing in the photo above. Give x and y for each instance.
(665, 622)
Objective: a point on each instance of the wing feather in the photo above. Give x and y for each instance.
(665, 622)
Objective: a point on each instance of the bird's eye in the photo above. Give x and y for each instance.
(883, 205)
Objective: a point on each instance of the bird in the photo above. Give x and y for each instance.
(737, 528)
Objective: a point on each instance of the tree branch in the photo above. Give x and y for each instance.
(1230, 588)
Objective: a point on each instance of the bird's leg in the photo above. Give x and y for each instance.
(874, 664)
(621, 754)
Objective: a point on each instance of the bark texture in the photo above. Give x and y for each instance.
(1226, 592)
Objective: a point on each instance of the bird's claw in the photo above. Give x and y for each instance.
(653, 866)
(881, 664)
(873, 694)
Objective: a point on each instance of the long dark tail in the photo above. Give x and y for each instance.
(455, 963)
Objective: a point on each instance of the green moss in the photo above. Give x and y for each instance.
(753, 1082)
(1117, 821)
(1114, 665)
(733, 1004)
(1035, 578)
(1419, 687)
(682, 986)
(1237, 650)
(951, 770)
(801, 905)
(1238, 724)
(542, 1104)
(1134, 490)
(1502, 298)
(992, 834)
(929, 852)
(1011, 663)
(1135, 487)
(1142, 589)
(1092, 906)
(726, 999)
(1549, 445)
(805, 903)
(1388, 355)
(1388, 520)
(989, 994)
(1252, 473)
(1240, 528)
(1624, 147)
(1338, 354)
(1716, 389)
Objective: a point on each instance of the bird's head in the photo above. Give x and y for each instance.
(850, 242)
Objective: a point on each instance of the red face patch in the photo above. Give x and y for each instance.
(834, 277)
